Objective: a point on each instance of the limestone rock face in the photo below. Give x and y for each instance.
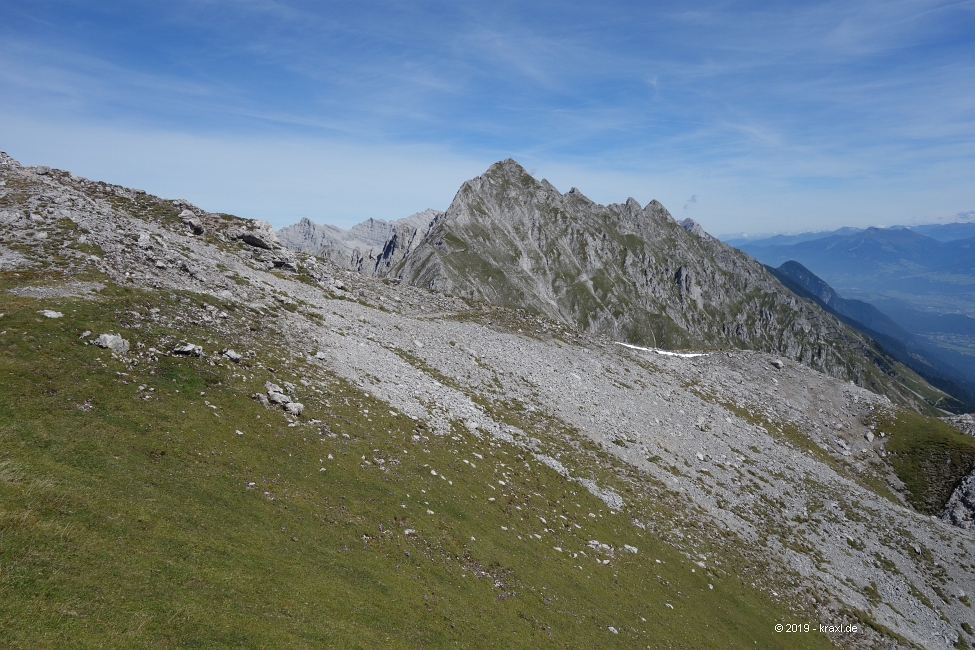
(624, 270)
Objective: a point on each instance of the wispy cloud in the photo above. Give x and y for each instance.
(758, 110)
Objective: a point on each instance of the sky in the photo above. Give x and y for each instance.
(745, 116)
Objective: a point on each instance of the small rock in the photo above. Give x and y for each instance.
(869, 436)
(272, 388)
(294, 408)
(188, 350)
(700, 456)
(42, 170)
(112, 342)
(50, 314)
(262, 398)
(233, 356)
(40, 236)
(777, 363)
(278, 398)
(631, 549)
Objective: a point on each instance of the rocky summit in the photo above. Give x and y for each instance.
(209, 439)
(627, 272)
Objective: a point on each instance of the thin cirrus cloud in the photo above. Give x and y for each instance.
(765, 113)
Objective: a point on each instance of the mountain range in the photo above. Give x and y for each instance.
(922, 278)
(210, 440)
(943, 232)
(897, 263)
(626, 271)
(940, 368)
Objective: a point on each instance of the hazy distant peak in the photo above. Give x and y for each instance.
(421, 221)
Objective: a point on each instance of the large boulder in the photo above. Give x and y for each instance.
(257, 233)
(190, 218)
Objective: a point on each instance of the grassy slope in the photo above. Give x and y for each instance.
(132, 525)
(929, 457)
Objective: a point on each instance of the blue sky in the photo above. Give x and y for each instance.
(746, 116)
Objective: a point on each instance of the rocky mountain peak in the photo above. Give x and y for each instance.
(625, 271)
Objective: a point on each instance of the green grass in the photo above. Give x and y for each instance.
(130, 524)
(928, 456)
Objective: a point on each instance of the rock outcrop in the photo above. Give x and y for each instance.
(960, 510)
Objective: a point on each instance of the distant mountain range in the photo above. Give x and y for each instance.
(921, 280)
(942, 232)
(937, 366)
(886, 263)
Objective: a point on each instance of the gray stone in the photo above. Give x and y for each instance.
(294, 408)
(777, 363)
(188, 350)
(262, 399)
(42, 170)
(189, 218)
(112, 342)
(48, 313)
(257, 233)
(233, 356)
(278, 398)
(272, 388)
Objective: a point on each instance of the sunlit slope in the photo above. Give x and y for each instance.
(147, 500)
